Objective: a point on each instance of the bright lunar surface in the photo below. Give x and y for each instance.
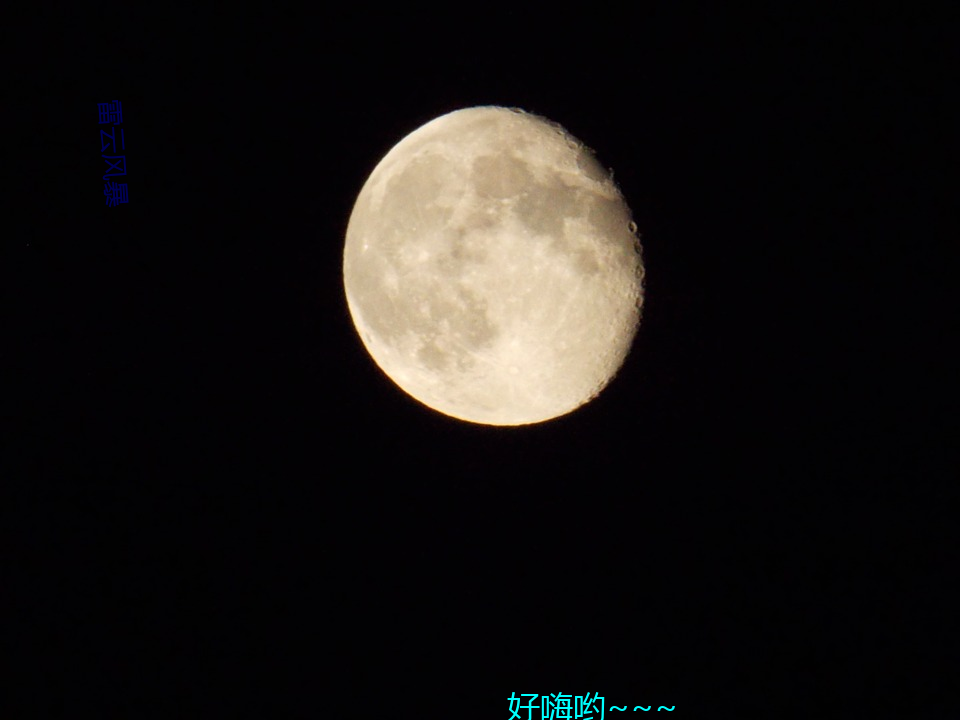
(492, 268)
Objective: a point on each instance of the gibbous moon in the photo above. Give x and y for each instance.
(492, 268)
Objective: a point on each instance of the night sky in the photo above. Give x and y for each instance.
(218, 503)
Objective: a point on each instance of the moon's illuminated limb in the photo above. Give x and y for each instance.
(492, 269)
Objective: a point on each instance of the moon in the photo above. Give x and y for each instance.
(492, 268)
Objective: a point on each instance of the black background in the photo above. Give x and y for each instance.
(219, 504)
